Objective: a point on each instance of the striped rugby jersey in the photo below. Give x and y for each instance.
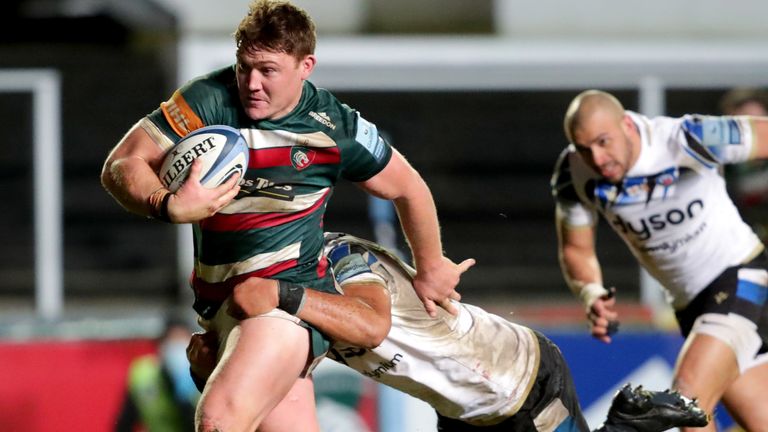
(672, 209)
(273, 228)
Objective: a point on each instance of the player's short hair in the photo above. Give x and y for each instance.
(276, 26)
(585, 103)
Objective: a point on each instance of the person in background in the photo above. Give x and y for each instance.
(658, 183)
(160, 395)
(745, 101)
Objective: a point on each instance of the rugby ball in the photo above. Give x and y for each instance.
(222, 149)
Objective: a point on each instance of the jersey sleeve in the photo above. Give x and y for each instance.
(200, 102)
(568, 205)
(352, 264)
(365, 153)
(718, 140)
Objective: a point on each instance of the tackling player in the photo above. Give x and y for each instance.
(477, 370)
(658, 183)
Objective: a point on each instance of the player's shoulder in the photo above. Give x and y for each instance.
(210, 99)
(572, 177)
(351, 258)
(218, 86)
(340, 245)
(662, 129)
(564, 166)
(326, 112)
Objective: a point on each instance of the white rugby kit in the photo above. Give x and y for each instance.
(476, 366)
(673, 211)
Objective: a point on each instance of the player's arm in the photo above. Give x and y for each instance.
(726, 139)
(436, 276)
(361, 317)
(582, 273)
(577, 255)
(130, 175)
(760, 131)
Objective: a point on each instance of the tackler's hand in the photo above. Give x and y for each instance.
(436, 284)
(600, 305)
(202, 353)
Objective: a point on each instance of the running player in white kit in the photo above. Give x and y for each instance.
(657, 182)
(479, 371)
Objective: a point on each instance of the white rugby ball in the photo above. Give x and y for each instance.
(222, 149)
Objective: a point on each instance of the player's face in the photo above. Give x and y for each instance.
(606, 145)
(269, 83)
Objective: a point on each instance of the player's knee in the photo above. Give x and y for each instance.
(224, 413)
(208, 425)
(688, 383)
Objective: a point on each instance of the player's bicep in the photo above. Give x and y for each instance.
(138, 143)
(577, 238)
(394, 181)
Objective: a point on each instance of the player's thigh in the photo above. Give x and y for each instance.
(265, 353)
(705, 368)
(746, 398)
(262, 358)
(296, 412)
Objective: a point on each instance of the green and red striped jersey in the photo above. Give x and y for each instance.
(274, 227)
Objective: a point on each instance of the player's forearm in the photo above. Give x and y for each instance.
(760, 131)
(347, 318)
(130, 180)
(579, 268)
(582, 274)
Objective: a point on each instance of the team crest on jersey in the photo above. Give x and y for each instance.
(301, 157)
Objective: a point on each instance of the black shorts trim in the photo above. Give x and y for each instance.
(726, 294)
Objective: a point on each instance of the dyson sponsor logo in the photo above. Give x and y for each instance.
(645, 227)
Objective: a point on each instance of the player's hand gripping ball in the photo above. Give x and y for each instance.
(222, 149)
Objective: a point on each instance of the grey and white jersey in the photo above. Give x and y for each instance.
(476, 366)
(672, 208)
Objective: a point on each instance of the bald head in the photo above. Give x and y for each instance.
(604, 136)
(586, 105)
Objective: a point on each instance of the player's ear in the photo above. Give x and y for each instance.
(627, 125)
(307, 65)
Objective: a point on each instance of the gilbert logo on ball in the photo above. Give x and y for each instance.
(222, 149)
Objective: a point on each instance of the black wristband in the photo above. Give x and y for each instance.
(290, 296)
(158, 204)
(163, 213)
